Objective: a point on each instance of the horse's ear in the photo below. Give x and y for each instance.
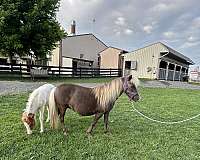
(129, 77)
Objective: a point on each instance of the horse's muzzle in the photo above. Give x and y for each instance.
(136, 98)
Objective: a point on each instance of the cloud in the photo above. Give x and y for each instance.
(148, 29)
(128, 31)
(193, 39)
(120, 21)
(169, 34)
(161, 7)
(177, 23)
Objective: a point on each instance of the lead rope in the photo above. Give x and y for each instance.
(163, 122)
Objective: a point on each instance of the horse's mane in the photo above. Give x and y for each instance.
(31, 100)
(135, 80)
(108, 92)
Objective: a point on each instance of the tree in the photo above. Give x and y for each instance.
(29, 26)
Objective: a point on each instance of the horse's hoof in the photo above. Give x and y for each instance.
(41, 131)
(89, 132)
(65, 133)
(29, 133)
(107, 132)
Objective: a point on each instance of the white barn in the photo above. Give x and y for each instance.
(156, 61)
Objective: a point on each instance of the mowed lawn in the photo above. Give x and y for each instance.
(131, 137)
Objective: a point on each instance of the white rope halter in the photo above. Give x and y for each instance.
(163, 122)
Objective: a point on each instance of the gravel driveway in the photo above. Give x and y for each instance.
(8, 87)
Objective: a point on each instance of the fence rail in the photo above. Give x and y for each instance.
(24, 70)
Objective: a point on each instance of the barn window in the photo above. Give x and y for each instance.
(131, 65)
(127, 64)
(163, 64)
(134, 65)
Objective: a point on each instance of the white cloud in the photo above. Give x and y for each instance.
(121, 21)
(176, 22)
(191, 39)
(169, 34)
(160, 7)
(147, 29)
(128, 31)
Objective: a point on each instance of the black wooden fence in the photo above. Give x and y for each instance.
(24, 70)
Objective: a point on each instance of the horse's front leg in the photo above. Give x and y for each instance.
(106, 115)
(48, 114)
(42, 119)
(96, 118)
(62, 115)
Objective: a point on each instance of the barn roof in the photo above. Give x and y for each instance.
(86, 35)
(171, 51)
(178, 54)
(123, 51)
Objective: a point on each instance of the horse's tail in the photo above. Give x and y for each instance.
(53, 110)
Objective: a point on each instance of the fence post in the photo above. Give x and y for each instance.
(11, 68)
(59, 71)
(20, 69)
(80, 72)
(110, 72)
(93, 72)
(99, 72)
(119, 72)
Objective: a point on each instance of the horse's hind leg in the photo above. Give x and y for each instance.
(106, 121)
(96, 118)
(42, 119)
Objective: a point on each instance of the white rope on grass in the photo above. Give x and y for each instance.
(164, 122)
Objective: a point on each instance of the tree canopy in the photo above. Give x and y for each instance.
(29, 26)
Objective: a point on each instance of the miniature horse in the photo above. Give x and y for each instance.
(38, 99)
(96, 101)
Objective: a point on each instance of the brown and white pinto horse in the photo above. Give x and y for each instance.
(96, 101)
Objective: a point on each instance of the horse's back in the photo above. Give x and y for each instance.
(42, 93)
(80, 99)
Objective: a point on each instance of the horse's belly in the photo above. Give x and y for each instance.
(86, 114)
(85, 111)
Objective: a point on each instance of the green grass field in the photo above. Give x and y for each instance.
(132, 137)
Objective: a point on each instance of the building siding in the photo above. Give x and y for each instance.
(145, 57)
(87, 45)
(110, 58)
(55, 57)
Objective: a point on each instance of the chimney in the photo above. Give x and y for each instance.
(73, 28)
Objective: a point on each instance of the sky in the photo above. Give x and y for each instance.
(132, 24)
